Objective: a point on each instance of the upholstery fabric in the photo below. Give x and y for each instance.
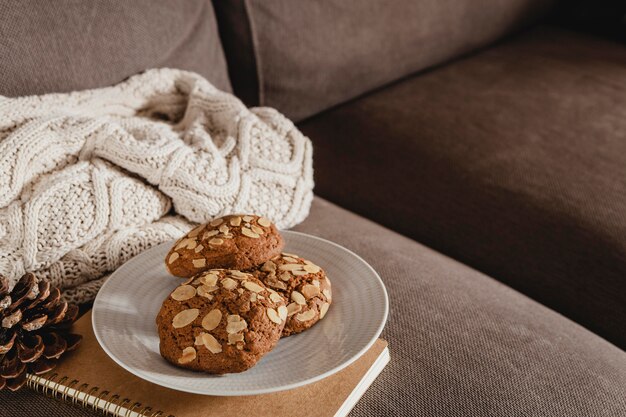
(461, 343)
(512, 161)
(303, 57)
(66, 45)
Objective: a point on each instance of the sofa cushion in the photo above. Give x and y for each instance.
(463, 344)
(70, 45)
(303, 57)
(512, 161)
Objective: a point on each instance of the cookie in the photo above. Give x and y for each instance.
(233, 242)
(220, 322)
(304, 285)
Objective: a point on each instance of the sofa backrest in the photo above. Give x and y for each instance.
(305, 56)
(65, 45)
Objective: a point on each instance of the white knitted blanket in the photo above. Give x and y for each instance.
(90, 179)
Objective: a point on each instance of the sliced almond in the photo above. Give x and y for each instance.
(249, 233)
(236, 326)
(275, 297)
(264, 222)
(189, 354)
(299, 273)
(233, 317)
(290, 267)
(253, 286)
(293, 308)
(212, 319)
(173, 257)
(324, 310)
(268, 266)
(306, 316)
(229, 283)
(210, 279)
(234, 338)
(238, 274)
(198, 248)
(184, 292)
(216, 222)
(199, 263)
(235, 221)
(313, 269)
(248, 219)
(290, 255)
(211, 343)
(282, 312)
(256, 229)
(181, 244)
(209, 234)
(273, 316)
(224, 229)
(253, 297)
(204, 292)
(185, 317)
(316, 283)
(195, 232)
(216, 241)
(285, 276)
(192, 243)
(274, 283)
(327, 294)
(290, 259)
(298, 298)
(310, 291)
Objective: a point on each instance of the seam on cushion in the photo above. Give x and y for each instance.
(255, 48)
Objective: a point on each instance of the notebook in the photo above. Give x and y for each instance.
(89, 378)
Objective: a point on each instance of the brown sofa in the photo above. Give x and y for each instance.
(480, 129)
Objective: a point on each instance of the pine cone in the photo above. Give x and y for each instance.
(34, 325)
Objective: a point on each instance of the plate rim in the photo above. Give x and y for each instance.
(304, 382)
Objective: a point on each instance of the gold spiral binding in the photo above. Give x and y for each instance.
(68, 387)
(96, 403)
(113, 400)
(54, 386)
(133, 408)
(91, 393)
(121, 405)
(46, 388)
(81, 389)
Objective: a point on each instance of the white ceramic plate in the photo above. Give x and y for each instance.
(125, 309)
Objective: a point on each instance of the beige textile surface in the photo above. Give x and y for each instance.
(91, 178)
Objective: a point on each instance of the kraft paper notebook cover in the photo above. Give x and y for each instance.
(89, 376)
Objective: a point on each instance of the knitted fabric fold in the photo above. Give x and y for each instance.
(89, 179)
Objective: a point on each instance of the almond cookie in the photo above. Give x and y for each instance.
(221, 321)
(234, 242)
(304, 285)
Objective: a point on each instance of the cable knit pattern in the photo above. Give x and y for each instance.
(87, 178)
